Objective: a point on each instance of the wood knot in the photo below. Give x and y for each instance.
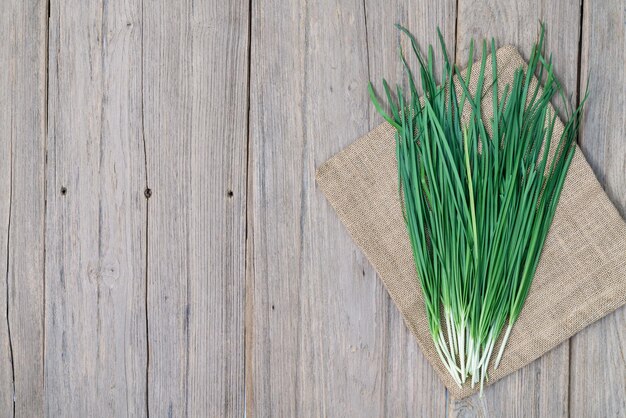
(104, 272)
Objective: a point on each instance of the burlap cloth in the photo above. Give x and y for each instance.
(581, 276)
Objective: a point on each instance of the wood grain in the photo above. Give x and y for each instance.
(95, 354)
(151, 264)
(598, 365)
(411, 387)
(325, 338)
(195, 95)
(541, 388)
(23, 31)
(316, 336)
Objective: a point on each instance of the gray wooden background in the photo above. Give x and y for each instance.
(165, 249)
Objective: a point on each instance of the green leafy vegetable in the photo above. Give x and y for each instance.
(478, 195)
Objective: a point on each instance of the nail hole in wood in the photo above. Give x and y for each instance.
(272, 307)
(147, 193)
(63, 190)
(230, 193)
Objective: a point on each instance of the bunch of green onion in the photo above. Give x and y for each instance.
(478, 196)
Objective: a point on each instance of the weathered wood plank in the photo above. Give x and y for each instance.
(324, 337)
(598, 366)
(95, 354)
(23, 30)
(541, 388)
(411, 387)
(195, 86)
(316, 339)
(7, 388)
(602, 63)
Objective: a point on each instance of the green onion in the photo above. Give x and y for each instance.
(478, 196)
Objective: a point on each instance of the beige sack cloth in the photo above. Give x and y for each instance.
(581, 276)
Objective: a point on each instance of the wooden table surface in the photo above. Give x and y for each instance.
(167, 251)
